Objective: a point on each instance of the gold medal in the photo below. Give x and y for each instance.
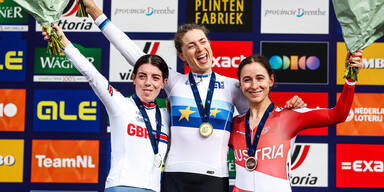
(206, 129)
(251, 163)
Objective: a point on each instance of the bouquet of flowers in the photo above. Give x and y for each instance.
(362, 23)
(46, 12)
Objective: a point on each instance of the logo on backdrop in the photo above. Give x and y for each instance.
(69, 21)
(359, 165)
(373, 64)
(221, 15)
(121, 71)
(12, 57)
(57, 68)
(279, 16)
(365, 117)
(145, 16)
(12, 17)
(11, 160)
(309, 165)
(12, 109)
(66, 111)
(65, 161)
(228, 55)
(296, 62)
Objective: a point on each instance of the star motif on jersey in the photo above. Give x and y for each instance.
(214, 112)
(185, 113)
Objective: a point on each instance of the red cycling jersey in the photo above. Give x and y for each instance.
(277, 138)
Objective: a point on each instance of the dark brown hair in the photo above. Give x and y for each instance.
(184, 29)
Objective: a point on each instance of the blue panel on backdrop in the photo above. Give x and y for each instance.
(13, 57)
(66, 111)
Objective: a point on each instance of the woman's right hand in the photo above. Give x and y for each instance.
(59, 33)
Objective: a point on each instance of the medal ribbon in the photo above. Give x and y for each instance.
(204, 111)
(154, 141)
(251, 147)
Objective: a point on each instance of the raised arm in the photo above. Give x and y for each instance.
(306, 118)
(130, 51)
(97, 81)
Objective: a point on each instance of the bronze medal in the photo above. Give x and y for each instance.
(251, 163)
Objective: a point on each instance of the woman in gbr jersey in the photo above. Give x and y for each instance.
(139, 129)
(202, 105)
(262, 138)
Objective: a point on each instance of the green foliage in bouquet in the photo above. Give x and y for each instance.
(46, 12)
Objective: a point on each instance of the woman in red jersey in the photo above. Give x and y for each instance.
(262, 138)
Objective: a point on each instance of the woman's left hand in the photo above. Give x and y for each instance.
(295, 103)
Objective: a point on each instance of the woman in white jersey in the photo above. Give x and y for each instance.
(201, 102)
(139, 129)
(262, 138)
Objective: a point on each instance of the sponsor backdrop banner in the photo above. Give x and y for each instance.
(59, 111)
(309, 165)
(145, 16)
(359, 166)
(57, 68)
(227, 56)
(121, 71)
(69, 21)
(373, 64)
(12, 110)
(365, 117)
(294, 62)
(13, 54)
(221, 15)
(295, 16)
(51, 118)
(12, 17)
(11, 160)
(313, 100)
(65, 161)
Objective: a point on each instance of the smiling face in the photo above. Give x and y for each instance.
(196, 51)
(148, 82)
(255, 82)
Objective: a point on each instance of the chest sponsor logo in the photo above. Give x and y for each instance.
(359, 166)
(365, 117)
(310, 17)
(373, 64)
(294, 62)
(309, 165)
(11, 160)
(265, 153)
(12, 110)
(65, 161)
(66, 110)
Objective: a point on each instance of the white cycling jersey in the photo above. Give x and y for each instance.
(189, 151)
(132, 156)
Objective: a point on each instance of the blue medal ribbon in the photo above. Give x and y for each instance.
(251, 147)
(204, 111)
(154, 141)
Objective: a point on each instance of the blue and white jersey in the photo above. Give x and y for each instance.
(189, 151)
